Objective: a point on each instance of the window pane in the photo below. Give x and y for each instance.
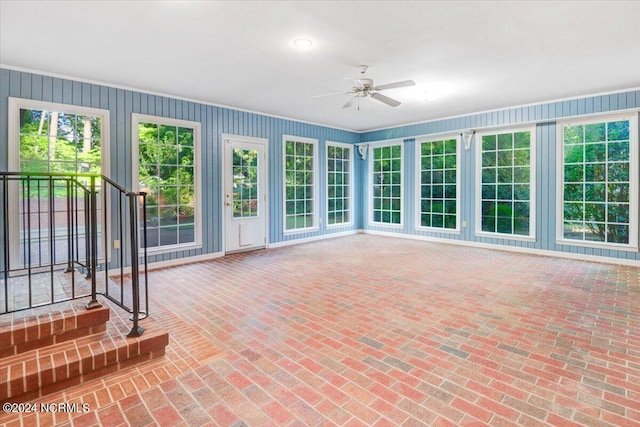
(618, 131)
(489, 142)
(574, 153)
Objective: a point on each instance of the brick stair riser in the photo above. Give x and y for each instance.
(42, 331)
(46, 354)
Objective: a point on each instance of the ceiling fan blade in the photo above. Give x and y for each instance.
(403, 83)
(330, 94)
(385, 99)
(349, 102)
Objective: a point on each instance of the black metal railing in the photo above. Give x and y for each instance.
(64, 238)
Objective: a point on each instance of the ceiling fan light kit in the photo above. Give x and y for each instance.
(365, 87)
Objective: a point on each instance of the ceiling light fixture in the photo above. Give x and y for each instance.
(302, 43)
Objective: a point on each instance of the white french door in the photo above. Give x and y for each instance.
(245, 193)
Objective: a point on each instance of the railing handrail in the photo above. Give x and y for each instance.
(47, 176)
(53, 174)
(75, 175)
(135, 200)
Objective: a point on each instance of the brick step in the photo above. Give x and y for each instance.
(46, 327)
(45, 370)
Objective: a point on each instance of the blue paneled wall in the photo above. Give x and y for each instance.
(544, 117)
(215, 121)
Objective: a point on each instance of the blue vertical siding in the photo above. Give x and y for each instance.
(217, 120)
(544, 117)
(214, 121)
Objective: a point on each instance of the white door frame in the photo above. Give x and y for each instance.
(223, 182)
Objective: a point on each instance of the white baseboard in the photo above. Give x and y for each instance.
(185, 260)
(169, 263)
(312, 239)
(531, 251)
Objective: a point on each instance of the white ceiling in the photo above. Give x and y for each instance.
(476, 55)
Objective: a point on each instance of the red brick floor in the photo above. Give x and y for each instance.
(369, 330)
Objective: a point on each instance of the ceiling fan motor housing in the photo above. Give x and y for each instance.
(367, 83)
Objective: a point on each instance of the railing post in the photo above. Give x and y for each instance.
(87, 246)
(143, 197)
(93, 243)
(136, 330)
(5, 249)
(69, 227)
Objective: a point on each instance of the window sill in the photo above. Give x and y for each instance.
(505, 236)
(300, 231)
(340, 225)
(597, 245)
(385, 224)
(159, 250)
(439, 230)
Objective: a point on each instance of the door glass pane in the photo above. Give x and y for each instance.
(245, 183)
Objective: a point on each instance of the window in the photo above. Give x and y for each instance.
(300, 211)
(339, 185)
(386, 179)
(506, 183)
(167, 169)
(598, 181)
(52, 138)
(437, 184)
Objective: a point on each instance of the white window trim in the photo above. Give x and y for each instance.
(13, 152)
(419, 140)
(351, 179)
(532, 184)
(372, 146)
(634, 176)
(316, 202)
(135, 160)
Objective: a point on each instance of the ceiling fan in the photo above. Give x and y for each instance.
(364, 87)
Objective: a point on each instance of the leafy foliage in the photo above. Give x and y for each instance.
(438, 183)
(506, 176)
(299, 203)
(387, 181)
(245, 183)
(53, 141)
(68, 143)
(596, 182)
(166, 173)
